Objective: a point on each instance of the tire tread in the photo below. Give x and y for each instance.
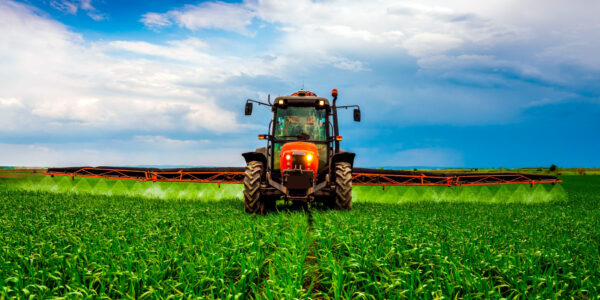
(253, 203)
(343, 186)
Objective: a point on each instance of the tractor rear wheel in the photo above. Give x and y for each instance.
(343, 186)
(253, 203)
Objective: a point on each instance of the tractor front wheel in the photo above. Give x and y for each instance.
(252, 198)
(343, 186)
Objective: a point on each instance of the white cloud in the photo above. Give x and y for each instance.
(73, 6)
(97, 16)
(155, 20)
(65, 6)
(427, 43)
(217, 14)
(10, 102)
(186, 50)
(346, 64)
(165, 141)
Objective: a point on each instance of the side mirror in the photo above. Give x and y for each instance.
(357, 115)
(248, 109)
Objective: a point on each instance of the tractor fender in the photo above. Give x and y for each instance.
(343, 157)
(258, 156)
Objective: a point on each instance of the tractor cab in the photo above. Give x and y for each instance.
(299, 120)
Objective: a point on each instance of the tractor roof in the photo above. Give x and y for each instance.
(302, 97)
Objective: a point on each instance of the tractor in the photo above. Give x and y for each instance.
(302, 161)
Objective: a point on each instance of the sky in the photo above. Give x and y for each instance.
(456, 83)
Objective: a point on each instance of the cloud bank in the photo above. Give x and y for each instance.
(427, 63)
(54, 80)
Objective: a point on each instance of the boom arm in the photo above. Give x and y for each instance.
(360, 176)
(201, 175)
(398, 177)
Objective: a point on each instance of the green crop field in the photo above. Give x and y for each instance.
(113, 239)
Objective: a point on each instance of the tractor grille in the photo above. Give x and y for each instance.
(298, 161)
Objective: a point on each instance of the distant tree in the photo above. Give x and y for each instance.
(581, 171)
(415, 169)
(553, 168)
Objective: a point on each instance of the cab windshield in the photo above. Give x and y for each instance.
(301, 123)
(295, 123)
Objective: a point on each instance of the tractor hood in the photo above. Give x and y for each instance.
(299, 156)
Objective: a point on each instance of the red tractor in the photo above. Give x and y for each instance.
(302, 160)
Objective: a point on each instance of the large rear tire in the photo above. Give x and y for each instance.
(253, 203)
(343, 186)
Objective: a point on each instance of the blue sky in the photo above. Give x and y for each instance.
(441, 83)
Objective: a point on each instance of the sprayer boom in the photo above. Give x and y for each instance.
(360, 176)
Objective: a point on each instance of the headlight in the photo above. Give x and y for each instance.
(309, 157)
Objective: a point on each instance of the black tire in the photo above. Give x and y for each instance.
(253, 203)
(343, 186)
